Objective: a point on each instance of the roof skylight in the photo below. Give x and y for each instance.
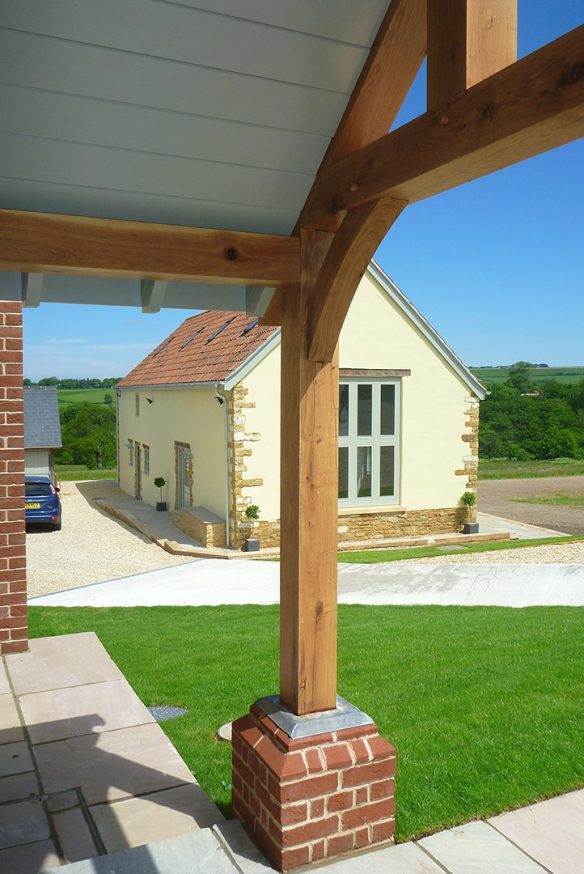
(190, 340)
(219, 330)
(161, 347)
(249, 328)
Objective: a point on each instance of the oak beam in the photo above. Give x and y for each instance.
(387, 75)
(468, 41)
(346, 261)
(33, 242)
(309, 503)
(534, 105)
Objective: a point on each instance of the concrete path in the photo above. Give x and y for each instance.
(209, 582)
(498, 525)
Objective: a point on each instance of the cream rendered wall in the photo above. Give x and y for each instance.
(188, 416)
(263, 385)
(376, 335)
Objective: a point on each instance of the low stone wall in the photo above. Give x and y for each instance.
(407, 523)
(208, 533)
(367, 526)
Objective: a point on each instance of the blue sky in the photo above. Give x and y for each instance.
(497, 266)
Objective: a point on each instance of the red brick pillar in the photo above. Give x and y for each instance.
(313, 797)
(13, 618)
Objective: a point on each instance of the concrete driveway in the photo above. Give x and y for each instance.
(209, 582)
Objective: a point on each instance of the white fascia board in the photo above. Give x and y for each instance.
(254, 359)
(425, 328)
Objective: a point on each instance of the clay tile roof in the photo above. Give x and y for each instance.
(191, 354)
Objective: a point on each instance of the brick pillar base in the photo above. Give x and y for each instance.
(309, 798)
(13, 621)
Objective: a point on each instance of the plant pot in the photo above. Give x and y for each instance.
(471, 528)
(161, 505)
(252, 544)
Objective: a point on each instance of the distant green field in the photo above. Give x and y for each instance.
(85, 395)
(538, 374)
(80, 472)
(505, 468)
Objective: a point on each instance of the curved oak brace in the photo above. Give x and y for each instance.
(349, 254)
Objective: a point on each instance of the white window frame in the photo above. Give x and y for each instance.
(146, 454)
(131, 452)
(376, 440)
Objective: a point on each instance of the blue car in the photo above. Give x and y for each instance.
(42, 502)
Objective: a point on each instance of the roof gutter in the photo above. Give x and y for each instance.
(220, 395)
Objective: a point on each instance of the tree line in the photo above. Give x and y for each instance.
(522, 420)
(108, 382)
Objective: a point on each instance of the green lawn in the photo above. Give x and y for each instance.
(537, 374)
(85, 395)
(485, 705)
(79, 471)
(504, 468)
(557, 500)
(376, 556)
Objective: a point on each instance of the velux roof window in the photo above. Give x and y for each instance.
(219, 330)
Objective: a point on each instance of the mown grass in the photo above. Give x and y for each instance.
(485, 705)
(564, 374)
(376, 556)
(559, 500)
(67, 472)
(503, 468)
(85, 395)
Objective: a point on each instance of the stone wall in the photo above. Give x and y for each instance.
(378, 526)
(470, 461)
(13, 610)
(208, 533)
(240, 446)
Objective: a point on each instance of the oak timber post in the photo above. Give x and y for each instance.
(309, 502)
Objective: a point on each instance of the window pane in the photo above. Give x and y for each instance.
(343, 472)
(387, 470)
(388, 409)
(363, 471)
(343, 411)
(364, 410)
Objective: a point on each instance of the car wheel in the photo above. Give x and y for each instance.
(58, 525)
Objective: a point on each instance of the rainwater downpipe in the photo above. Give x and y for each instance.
(225, 398)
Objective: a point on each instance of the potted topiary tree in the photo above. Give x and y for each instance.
(160, 482)
(252, 512)
(469, 500)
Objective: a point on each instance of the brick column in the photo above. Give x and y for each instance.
(13, 617)
(309, 798)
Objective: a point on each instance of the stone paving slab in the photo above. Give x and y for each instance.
(475, 848)
(56, 662)
(154, 817)
(18, 786)
(4, 684)
(113, 764)
(29, 859)
(15, 759)
(193, 853)
(244, 854)
(551, 831)
(78, 710)
(10, 727)
(22, 823)
(74, 835)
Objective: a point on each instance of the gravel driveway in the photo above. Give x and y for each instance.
(496, 497)
(91, 547)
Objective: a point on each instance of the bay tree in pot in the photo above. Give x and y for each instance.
(252, 513)
(160, 482)
(469, 500)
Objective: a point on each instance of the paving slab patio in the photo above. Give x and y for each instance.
(76, 746)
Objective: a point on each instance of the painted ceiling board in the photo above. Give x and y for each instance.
(67, 199)
(57, 65)
(57, 116)
(77, 164)
(191, 35)
(332, 19)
